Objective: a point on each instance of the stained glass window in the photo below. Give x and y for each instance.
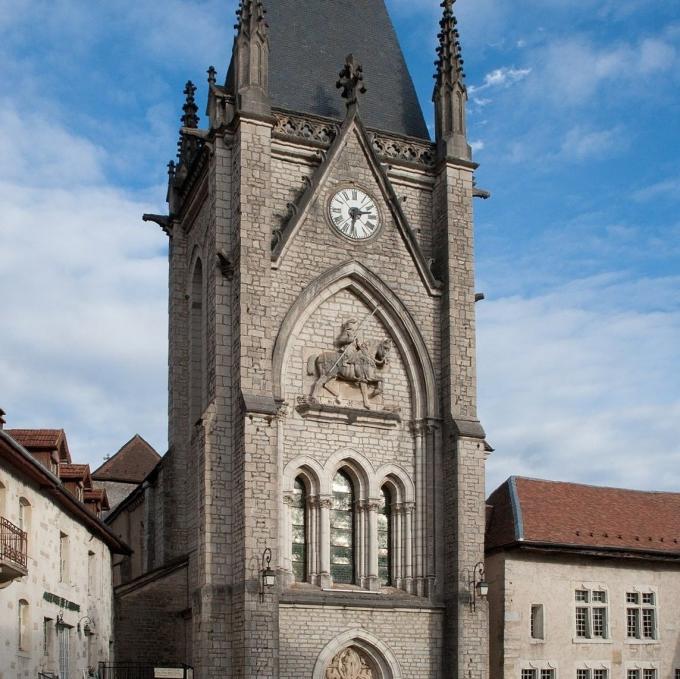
(384, 538)
(342, 530)
(299, 527)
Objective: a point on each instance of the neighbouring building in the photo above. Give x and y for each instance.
(121, 473)
(584, 582)
(55, 560)
(320, 510)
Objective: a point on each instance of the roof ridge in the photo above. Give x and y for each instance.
(595, 486)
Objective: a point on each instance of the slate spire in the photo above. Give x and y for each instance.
(450, 93)
(251, 58)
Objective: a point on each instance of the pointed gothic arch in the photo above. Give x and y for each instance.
(395, 317)
(383, 662)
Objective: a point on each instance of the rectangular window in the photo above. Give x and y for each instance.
(537, 621)
(529, 674)
(91, 573)
(649, 674)
(583, 674)
(24, 626)
(600, 674)
(63, 557)
(677, 674)
(641, 615)
(591, 614)
(633, 674)
(47, 637)
(547, 674)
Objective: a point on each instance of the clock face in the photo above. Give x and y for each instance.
(354, 214)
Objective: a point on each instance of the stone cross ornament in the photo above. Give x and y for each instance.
(351, 80)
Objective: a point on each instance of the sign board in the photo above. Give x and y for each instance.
(168, 672)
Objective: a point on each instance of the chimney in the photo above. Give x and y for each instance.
(2, 418)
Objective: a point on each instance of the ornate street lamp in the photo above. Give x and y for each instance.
(267, 574)
(478, 584)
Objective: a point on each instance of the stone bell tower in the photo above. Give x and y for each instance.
(322, 407)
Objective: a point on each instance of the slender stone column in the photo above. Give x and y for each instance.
(325, 504)
(313, 539)
(373, 580)
(409, 509)
(396, 544)
(419, 519)
(361, 543)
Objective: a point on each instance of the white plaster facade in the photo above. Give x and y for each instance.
(68, 579)
(521, 579)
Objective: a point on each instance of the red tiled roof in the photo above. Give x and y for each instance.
(74, 471)
(131, 464)
(96, 495)
(41, 439)
(532, 511)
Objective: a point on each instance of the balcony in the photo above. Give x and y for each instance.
(13, 552)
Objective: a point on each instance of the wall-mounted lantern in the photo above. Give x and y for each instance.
(267, 574)
(479, 587)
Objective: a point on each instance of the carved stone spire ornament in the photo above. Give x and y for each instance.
(251, 58)
(351, 81)
(188, 144)
(450, 93)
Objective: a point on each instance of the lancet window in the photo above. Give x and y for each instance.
(342, 530)
(385, 537)
(298, 515)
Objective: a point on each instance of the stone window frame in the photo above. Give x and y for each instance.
(541, 669)
(590, 605)
(367, 484)
(640, 607)
(593, 670)
(642, 670)
(537, 620)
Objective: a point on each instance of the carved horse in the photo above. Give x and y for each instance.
(356, 364)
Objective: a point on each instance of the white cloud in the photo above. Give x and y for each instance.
(582, 143)
(501, 78)
(84, 287)
(477, 145)
(575, 384)
(574, 69)
(667, 188)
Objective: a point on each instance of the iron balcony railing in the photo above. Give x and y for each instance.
(13, 543)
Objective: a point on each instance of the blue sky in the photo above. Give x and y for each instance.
(574, 111)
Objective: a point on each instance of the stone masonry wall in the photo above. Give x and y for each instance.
(414, 636)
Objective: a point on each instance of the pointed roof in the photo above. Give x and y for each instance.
(577, 516)
(130, 464)
(308, 43)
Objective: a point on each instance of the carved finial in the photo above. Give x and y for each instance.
(251, 59)
(212, 75)
(450, 93)
(450, 60)
(251, 17)
(171, 170)
(351, 80)
(190, 116)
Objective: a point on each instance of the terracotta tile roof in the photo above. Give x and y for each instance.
(41, 439)
(96, 495)
(131, 464)
(533, 511)
(75, 471)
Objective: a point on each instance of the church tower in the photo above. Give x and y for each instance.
(320, 511)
